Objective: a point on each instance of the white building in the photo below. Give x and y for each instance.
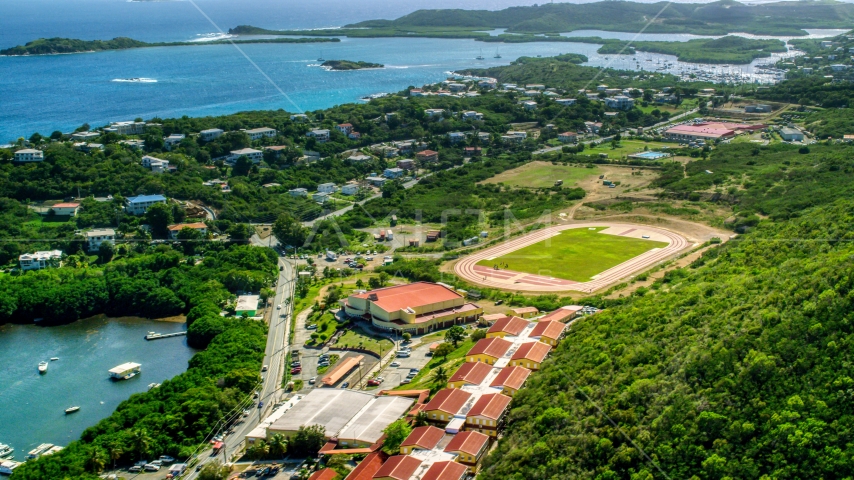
(320, 197)
(40, 260)
(66, 209)
(359, 158)
(29, 155)
(351, 188)
(434, 112)
(255, 156)
(529, 105)
(133, 144)
(568, 137)
(139, 205)
(565, 101)
(84, 136)
(791, 134)
(455, 137)
(126, 128)
(344, 128)
(174, 230)
(322, 136)
(298, 192)
(471, 115)
(327, 188)
(299, 117)
(394, 172)
(620, 102)
(259, 133)
(210, 134)
(173, 140)
(156, 165)
(98, 236)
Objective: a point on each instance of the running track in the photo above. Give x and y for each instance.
(468, 269)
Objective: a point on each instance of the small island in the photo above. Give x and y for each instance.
(349, 65)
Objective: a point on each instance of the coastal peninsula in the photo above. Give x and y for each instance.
(52, 46)
(341, 65)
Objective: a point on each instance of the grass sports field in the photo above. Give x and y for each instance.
(627, 147)
(542, 174)
(576, 254)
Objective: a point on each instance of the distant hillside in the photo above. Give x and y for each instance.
(718, 18)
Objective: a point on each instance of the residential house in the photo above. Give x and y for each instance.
(507, 326)
(472, 151)
(434, 112)
(210, 134)
(406, 164)
(421, 438)
(535, 86)
(469, 373)
(593, 127)
(327, 188)
(126, 128)
(360, 158)
(299, 117)
(255, 156)
(568, 137)
(376, 181)
(156, 165)
(322, 136)
(416, 92)
(354, 135)
(65, 209)
(472, 115)
(488, 350)
(602, 88)
(483, 136)
(427, 156)
(29, 155)
(133, 144)
(320, 197)
(470, 448)
(88, 147)
(487, 83)
(510, 380)
(389, 116)
(393, 173)
(487, 414)
(259, 133)
(446, 471)
(456, 87)
(547, 332)
(456, 137)
(565, 101)
(530, 355)
(174, 230)
(446, 404)
(298, 192)
(85, 136)
(350, 188)
(173, 140)
(398, 467)
(247, 304)
(520, 134)
(94, 238)
(620, 102)
(611, 114)
(690, 133)
(529, 105)
(512, 139)
(344, 128)
(40, 260)
(139, 205)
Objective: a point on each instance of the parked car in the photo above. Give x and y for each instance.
(265, 368)
(260, 404)
(394, 364)
(295, 364)
(246, 413)
(405, 381)
(296, 370)
(414, 370)
(279, 306)
(150, 467)
(313, 326)
(374, 382)
(345, 384)
(135, 469)
(312, 380)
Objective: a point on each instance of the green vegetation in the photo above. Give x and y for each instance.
(349, 65)
(542, 175)
(735, 368)
(427, 379)
(357, 339)
(50, 46)
(175, 418)
(575, 254)
(326, 324)
(734, 50)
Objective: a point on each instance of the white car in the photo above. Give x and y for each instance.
(312, 380)
(279, 306)
(394, 364)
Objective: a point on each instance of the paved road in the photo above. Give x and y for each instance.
(346, 209)
(275, 357)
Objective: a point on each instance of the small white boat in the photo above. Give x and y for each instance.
(152, 386)
(42, 367)
(5, 450)
(480, 56)
(71, 409)
(53, 359)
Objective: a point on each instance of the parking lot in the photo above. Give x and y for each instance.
(394, 375)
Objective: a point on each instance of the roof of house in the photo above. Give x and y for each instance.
(424, 437)
(245, 151)
(416, 294)
(511, 377)
(345, 125)
(522, 310)
(471, 372)
(259, 130)
(494, 347)
(534, 351)
(548, 329)
(491, 405)
(445, 471)
(449, 400)
(146, 198)
(325, 474)
(66, 205)
(427, 153)
(509, 325)
(467, 442)
(28, 150)
(562, 313)
(700, 130)
(399, 467)
(181, 226)
(366, 469)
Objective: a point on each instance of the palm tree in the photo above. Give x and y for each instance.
(141, 441)
(278, 445)
(114, 450)
(440, 375)
(96, 460)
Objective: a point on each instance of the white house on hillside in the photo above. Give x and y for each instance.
(327, 188)
(139, 205)
(322, 136)
(259, 133)
(253, 155)
(40, 260)
(98, 236)
(210, 134)
(29, 155)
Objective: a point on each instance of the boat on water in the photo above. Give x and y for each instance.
(42, 367)
(136, 80)
(497, 55)
(320, 58)
(152, 386)
(480, 56)
(5, 450)
(36, 452)
(125, 371)
(53, 359)
(72, 409)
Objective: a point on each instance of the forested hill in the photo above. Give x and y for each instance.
(718, 18)
(737, 367)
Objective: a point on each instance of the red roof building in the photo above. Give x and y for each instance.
(470, 448)
(698, 132)
(530, 355)
(425, 438)
(427, 156)
(469, 373)
(502, 327)
(487, 413)
(366, 469)
(446, 403)
(398, 467)
(446, 471)
(510, 380)
(325, 474)
(562, 314)
(488, 350)
(549, 333)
